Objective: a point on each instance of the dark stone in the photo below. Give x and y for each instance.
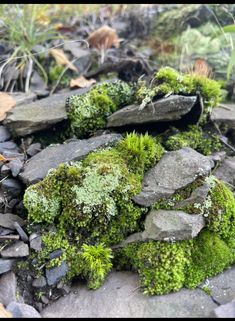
(7, 288)
(5, 231)
(224, 116)
(34, 149)
(40, 282)
(37, 167)
(12, 186)
(5, 265)
(4, 134)
(15, 166)
(9, 147)
(36, 243)
(8, 220)
(55, 274)
(18, 249)
(226, 171)
(21, 232)
(22, 310)
(55, 254)
(5, 170)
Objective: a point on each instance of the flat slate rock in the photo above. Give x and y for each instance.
(226, 171)
(7, 220)
(225, 116)
(4, 134)
(175, 170)
(165, 109)
(55, 274)
(226, 310)
(6, 265)
(22, 310)
(18, 249)
(41, 114)
(38, 166)
(7, 288)
(120, 296)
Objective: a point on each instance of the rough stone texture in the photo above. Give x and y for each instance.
(8, 147)
(29, 118)
(21, 232)
(224, 116)
(15, 166)
(18, 249)
(8, 220)
(38, 166)
(21, 310)
(162, 225)
(36, 243)
(225, 310)
(12, 186)
(34, 149)
(7, 288)
(226, 171)
(4, 134)
(175, 170)
(55, 274)
(5, 265)
(120, 296)
(165, 109)
(40, 282)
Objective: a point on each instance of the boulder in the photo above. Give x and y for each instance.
(224, 116)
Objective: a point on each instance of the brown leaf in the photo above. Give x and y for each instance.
(4, 313)
(6, 103)
(202, 68)
(61, 58)
(104, 38)
(82, 82)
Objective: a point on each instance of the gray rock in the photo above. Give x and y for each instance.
(38, 166)
(120, 296)
(18, 249)
(7, 288)
(40, 282)
(21, 232)
(226, 171)
(224, 116)
(165, 109)
(15, 166)
(175, 170)
(34, 149)
(6, 265)
(8, 220)
(12, 186)
(218, 156)
(4, 134)
(22, 98)
(8, 147)
(163, 225)
(55, 254)
(5, 231)
(226, 310)
(36, 243)
(55, 274)
(5, 170)
(41, 114)
(22, 310)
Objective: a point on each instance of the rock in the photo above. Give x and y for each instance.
(12, 204)
(226, 171)
(175, 170)
(38, 85)
(8, 147)
(22, 98)
(21, 232)
(5, 231)
(224, 116)
(22, 310)
(8, 220)
(12, 186)
(218, 156)
(165, 109)
(225, 310)
(36, 243)
(33, 149)
(5, 170)
(4, 134)
(38, 166)
(15, 166)
(7, 288)
(44, 299)
(18, 249)
(40, 282)
(163, 225)
(5, 265)
(41, 114)
(55, 274)
(121, 297)
(55, 254)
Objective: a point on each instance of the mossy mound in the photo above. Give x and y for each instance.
(88, 112)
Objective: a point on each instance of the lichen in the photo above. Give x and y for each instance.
(89, 111)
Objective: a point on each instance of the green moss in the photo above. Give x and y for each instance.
(55, 72)
(88, 112)
(210, 255)
(196, 139)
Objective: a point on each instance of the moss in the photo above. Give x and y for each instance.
(55, 72)
(88, 112)
(210, 255)
(196, 139)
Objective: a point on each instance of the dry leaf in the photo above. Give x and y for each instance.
(202, 68)
(104, 38)
(82, 82)
(5, 159)
(61, 58)
(6, 103)
(4, 313)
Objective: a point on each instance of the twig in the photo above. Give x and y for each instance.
(9, 237)
(224, 106)
(30, 69)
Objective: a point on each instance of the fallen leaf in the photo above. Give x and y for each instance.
(6, 103)
(5, 159)
(82, 82)
(104, 38)
(201, 67)
(61, 59)
(4, 313)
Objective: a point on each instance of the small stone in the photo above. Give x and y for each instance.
(225, 310)
(34, 149)
(40, 282)
(5, 265)
(9, 147)
(12, 203)
(226, 171)
(55, 254)
(36, 243)
(7, 288)
(55, 274)
(5, 170)
(5, 231)
(21, 232)
(15, 166)
(44, 299)
(18, 249)
(12, 186)
(21, 310)
(38, 306)
(7, 220)
(4, 134)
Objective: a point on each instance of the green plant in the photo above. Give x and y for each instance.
(23, 26)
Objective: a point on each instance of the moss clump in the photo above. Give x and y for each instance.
(169, 81)
(196, 139)
(88, 112)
